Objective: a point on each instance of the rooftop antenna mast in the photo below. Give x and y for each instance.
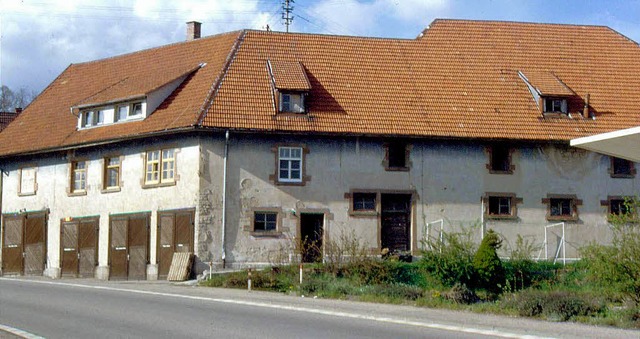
(287, 13)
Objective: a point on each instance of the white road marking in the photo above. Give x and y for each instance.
(453, 328)
(18, 332)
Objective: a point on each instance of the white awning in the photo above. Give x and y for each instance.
(622, 144)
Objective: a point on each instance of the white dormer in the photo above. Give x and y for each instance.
(112, 113)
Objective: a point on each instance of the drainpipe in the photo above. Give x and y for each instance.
(224, 196)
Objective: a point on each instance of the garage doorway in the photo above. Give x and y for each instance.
(24, 245)
(79, 247)
(311, 232)
(128, 246)
(175, 234)
(396, 222)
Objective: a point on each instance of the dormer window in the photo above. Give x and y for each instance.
(555, 105)
(292, 102)
(110, 114)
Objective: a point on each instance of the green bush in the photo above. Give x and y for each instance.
(556, 305)
(487, 265)
(450, 261)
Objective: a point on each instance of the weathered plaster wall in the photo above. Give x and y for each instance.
(449, 179)
(53, 179)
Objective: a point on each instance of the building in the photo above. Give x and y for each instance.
(239, 145)
(7, 117)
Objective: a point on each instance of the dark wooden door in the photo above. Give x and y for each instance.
(311, 230)
(395, 222)
(175, 234)
(118, 255)
(87, 247)
(138, 245)
(70, 254)
(12, 244)
(35, 247)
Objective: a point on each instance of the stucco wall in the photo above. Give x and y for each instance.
(53, 180)
(449, 179)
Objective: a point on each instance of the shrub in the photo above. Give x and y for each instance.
(450, 261)
(556, 305)
(461, 294)
(487, 265)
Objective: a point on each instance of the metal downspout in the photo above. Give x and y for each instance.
(224, 197)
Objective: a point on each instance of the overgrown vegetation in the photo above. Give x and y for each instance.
(603, 288)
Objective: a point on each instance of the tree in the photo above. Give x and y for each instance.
(10, 100)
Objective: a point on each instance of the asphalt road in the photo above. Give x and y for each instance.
(96, 309)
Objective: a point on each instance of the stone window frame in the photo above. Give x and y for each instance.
(71, 191)
(160, 183)
(390, 146)
(267, 233)
(35, 180)
(574, 202)
(609, 203)
(514, 200)
(612, 168)
(363, 213)
(490, 150)
(275, 177)
(105, 168)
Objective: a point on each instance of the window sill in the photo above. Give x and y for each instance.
(397, 169)
(110, 190)
(290, 183)
(500, 172)
(556, 115)
(623, 176)
(162, 184)
(26, 194)
(562, 218)
(266, 234)
(77, 194)
(500, 217)
(363, 213)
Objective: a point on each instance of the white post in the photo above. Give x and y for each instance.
(249, 281)
(564, 252)
(300, 274)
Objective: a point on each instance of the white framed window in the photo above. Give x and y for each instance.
(122, 112)
(160, 167)
(78, 176)
(110, 114)
(290, 164)
(136, 110)
(88, 118)
(111, 173)
(292, 102)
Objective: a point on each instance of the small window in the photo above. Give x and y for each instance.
(160, 167)
(364, 202)
(265, 221)
(501, 205)
(88, 118)
(136, 109)
(500, 160)
(397, 156)
(619, 207)
(112, 173)
(555, 105)
(562, 207)
(622, 168)
(78, 176)
(99, 116)
(292, 102)
(290, 164)
(122, 112)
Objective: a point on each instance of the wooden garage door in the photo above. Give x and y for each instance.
(12, 245)
(129, 246)
(35, 246)
(79, 247)
(175, 234)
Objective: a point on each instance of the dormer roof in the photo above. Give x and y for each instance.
(546, 83)
(289, 75)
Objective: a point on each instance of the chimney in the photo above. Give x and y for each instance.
(193, 30)
(18, 110)
(585, 112)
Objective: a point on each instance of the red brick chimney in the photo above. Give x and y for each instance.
(193, 30)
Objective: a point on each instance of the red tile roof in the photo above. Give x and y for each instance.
(460, 79)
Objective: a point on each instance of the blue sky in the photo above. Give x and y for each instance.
(40, 38)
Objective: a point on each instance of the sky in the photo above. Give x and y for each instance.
(40, 38)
